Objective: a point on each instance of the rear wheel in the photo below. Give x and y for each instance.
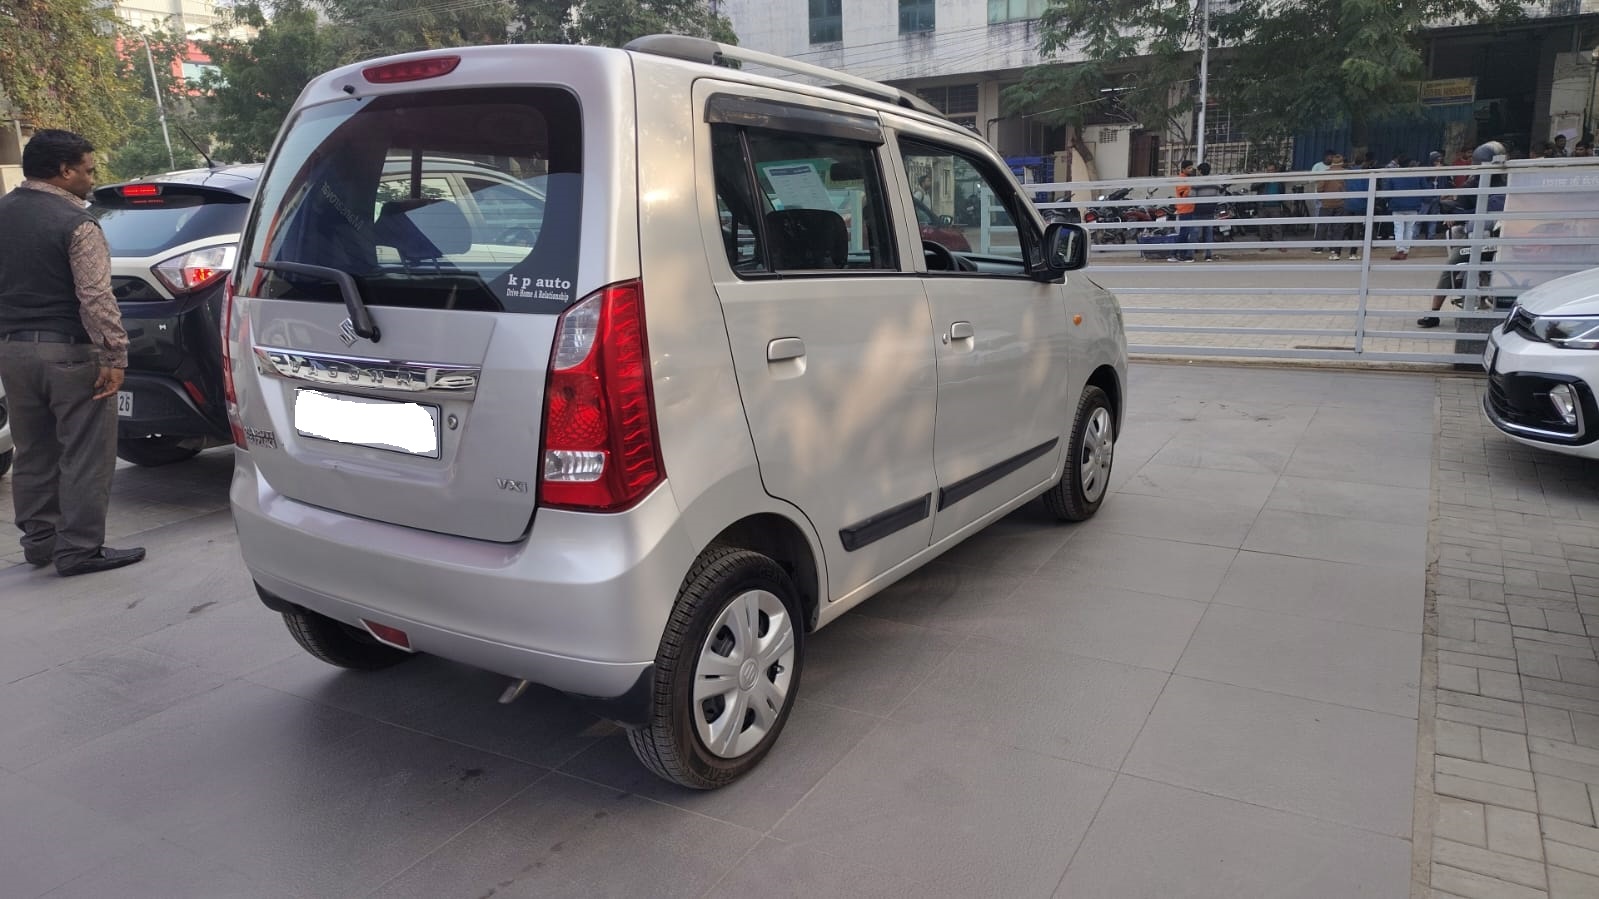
(726, 673)
(1085, 481)
(338, 643)
(158, 450)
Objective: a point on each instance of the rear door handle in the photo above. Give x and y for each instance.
(962, 331)
(784, 348)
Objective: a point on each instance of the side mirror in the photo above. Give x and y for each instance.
(1065, 250)
(945, 221)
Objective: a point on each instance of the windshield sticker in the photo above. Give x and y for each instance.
(798, 186)
(558, 289)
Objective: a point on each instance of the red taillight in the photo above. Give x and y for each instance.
(229, 396)
(140, 190)
(390, 635)
(411, 70)
(601, 449)
(1090, 217)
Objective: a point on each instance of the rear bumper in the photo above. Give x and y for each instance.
(161, 405)
(580, 606)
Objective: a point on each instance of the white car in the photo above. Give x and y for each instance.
(7, 448)
(1543, 363)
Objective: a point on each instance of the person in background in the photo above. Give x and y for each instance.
(1558, 147)
(1207, 233)
(1584, 150)
(1403, 208)
(1184, 207)
(1273, 207)
(1331, 206)
(1326, 161)
(1355, 204)
(1433, 204)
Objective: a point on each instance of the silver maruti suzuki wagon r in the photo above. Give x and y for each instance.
(622, 371)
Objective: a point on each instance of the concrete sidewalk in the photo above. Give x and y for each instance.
(1211, 689)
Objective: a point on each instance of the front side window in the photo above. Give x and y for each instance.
(1014, 10)
(797, 203)
(827, 21)
(915, 15)
(965, 206)
(462, 199)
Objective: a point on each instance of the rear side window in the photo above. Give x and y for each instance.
(152, 225)
(467, 199)
(791, 202)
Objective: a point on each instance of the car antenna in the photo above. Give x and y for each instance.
(209, 163)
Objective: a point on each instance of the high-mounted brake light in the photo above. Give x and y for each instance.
(601, 445)
(140, 190)
(411, 70)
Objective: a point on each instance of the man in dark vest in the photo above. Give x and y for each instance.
(62, 355)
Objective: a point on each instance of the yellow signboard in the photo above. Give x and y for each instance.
(1448, 91)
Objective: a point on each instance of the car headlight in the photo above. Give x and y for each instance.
(1572, 333)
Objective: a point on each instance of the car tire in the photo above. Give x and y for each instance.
(5, 461)
(339, 644)
(1086, 478)
(150, 452)
(726, 673)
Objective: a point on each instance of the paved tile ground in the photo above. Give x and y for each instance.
(1211, 689)
(1514, 604)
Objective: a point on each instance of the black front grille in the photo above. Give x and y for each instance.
(134, 290)
(1521, 399)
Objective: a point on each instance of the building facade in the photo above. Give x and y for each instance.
(1527, 81)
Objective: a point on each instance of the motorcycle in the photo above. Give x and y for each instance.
(1107, 215)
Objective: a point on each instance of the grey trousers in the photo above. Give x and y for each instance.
(66, 448)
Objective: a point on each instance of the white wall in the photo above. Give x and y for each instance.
(961, 43)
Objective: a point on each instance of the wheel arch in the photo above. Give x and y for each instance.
(1106, 379)
(785, 543)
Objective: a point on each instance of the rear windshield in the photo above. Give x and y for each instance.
(466, 199)
(159, 224)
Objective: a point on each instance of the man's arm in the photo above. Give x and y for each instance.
(97, 305)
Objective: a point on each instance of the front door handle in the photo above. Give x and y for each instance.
(962, 331)
(784, 348)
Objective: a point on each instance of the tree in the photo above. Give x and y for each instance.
(1279, 66)
(143, 151)
(256, 82)
(59, 67)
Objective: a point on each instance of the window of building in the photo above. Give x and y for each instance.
(915, 15)
(957, 102)
(1014, 10)
(827, 21)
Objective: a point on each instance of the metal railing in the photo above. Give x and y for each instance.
(1282, 288)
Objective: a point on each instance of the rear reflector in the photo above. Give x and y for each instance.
(140, 190)
(390, 635)
(411, 70)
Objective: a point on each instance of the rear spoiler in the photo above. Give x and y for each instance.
(144, 194)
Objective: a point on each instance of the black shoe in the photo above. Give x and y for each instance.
(104, 559)
(1428, 322)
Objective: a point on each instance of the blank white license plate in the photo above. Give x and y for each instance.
(411, 428)
(124, 404)
(1488, 356)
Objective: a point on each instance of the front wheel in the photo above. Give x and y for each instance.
(726, 673)
(1082, 486)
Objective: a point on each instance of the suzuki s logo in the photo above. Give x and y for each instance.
(513, 486)
(347, 332)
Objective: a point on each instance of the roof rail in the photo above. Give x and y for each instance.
(714, 53)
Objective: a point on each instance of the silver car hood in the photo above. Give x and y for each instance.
(1571, 295)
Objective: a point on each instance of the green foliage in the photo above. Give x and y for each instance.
(143, 150)
(257, 81)
(59, 67)
(1278, 65)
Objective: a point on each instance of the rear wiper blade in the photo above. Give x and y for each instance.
(360, 317)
